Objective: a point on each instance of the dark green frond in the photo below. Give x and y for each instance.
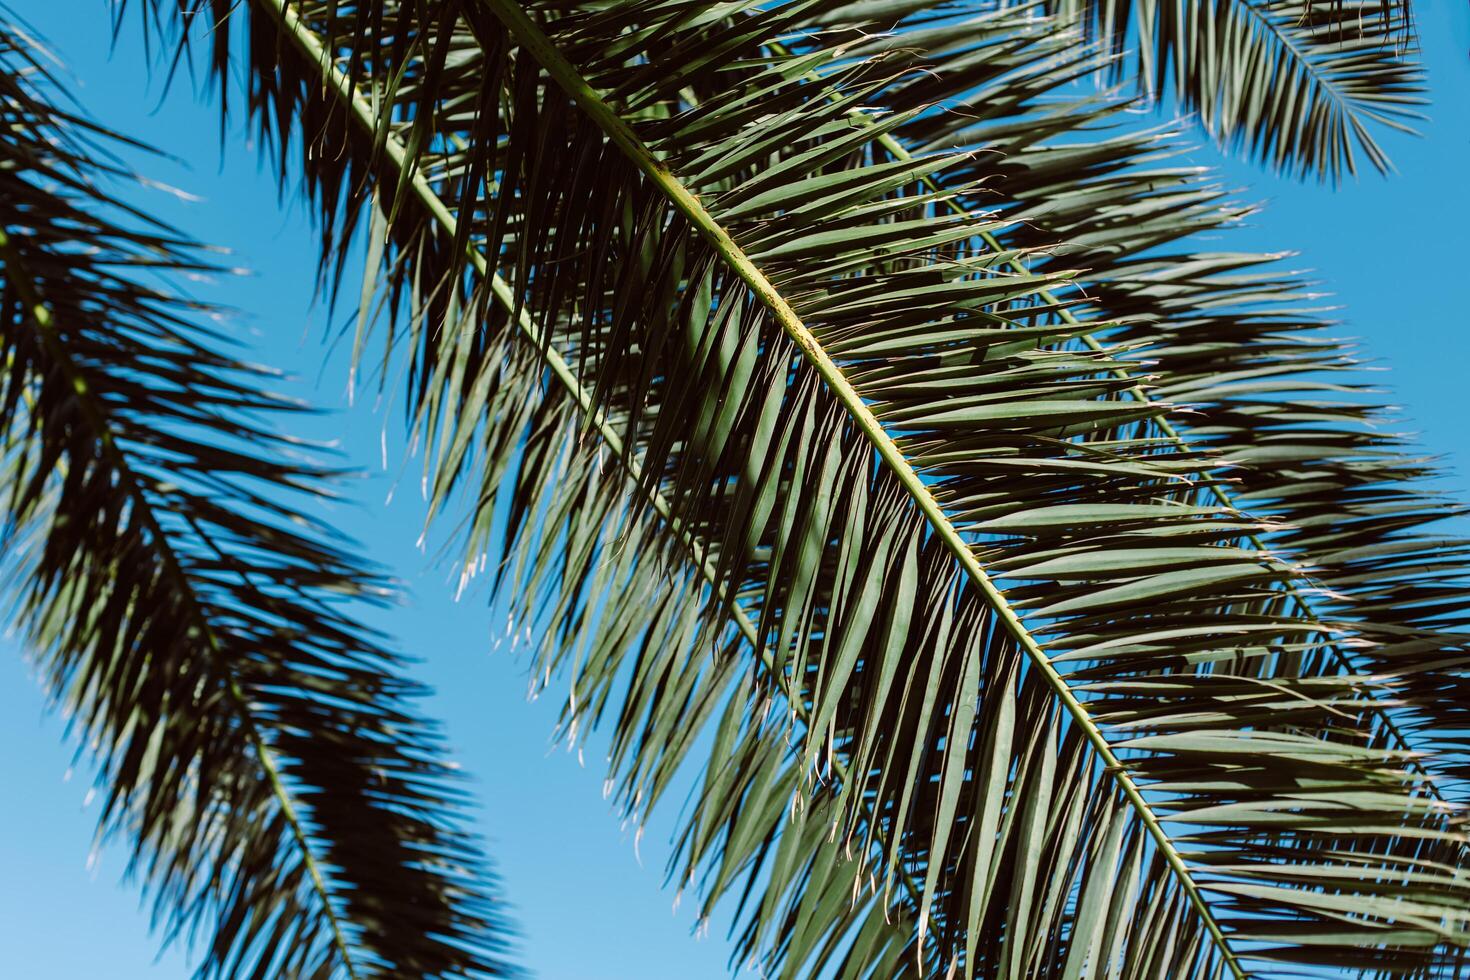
(1245, 343)
(1241, 342)
(255, 743)
(1304, 86)
(790, 452)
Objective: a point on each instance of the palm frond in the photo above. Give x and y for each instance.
(1301, 85)
(1115, 203)
(257, 745)
(999, 623)
(1244, 343)
(1240, 342)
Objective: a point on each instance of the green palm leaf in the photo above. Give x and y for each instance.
(1242, 343)
(256, 744)
(989, 671)
(1301, 85)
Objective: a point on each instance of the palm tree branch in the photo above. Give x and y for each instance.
(1173, 206)
(256, 743)
(1252, 70)
(418, 246)
(96, 416)
(365, 116)
(1299, 53)
(528, 34)
(1135, 391)
(895, 148)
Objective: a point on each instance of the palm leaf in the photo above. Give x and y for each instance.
(1241, 342)
(975, 573)
(257, 744)
(1301, 85)
(1314, 451)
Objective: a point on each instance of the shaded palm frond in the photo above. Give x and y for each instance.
(1241, 343)
(989, 672)
(1301, 85)
(1244, 342)
(256, 744)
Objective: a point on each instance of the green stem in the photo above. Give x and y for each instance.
(535, 41)
(364, 114)
(96, 418)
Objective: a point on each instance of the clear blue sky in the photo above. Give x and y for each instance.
(1394, 251)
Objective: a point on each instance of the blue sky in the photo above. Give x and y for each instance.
(1393, 251)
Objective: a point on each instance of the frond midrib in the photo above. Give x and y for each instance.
(530, 36)
(41, 315)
